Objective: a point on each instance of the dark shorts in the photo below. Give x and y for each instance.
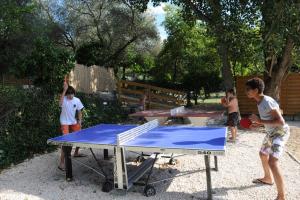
(233, 119)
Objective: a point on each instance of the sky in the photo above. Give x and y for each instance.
(159, 15)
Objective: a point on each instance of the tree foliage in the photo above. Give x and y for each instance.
(280, 38)
(14, 26)
(100, 31)
(188, 57)
(47, 65)
(30, 117)
(273, 27)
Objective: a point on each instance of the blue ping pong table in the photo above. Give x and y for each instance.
(149, 137)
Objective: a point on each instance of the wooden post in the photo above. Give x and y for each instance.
(119, 91)
(148, 106)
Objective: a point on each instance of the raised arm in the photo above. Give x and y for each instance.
(61, 100)
(79, 117)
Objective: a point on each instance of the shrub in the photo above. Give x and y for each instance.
(30, 117)
(96, 112)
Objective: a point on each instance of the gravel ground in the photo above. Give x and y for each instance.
(293, 146)
(39, 178)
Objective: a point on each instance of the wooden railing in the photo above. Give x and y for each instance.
(11, 80)
(157, 97)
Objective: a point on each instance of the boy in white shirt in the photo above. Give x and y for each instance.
(69, 105)
(277, 134)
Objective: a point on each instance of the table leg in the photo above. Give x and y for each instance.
(68, 163)
(208, 177)
(105, 154)
(216, 163)
(119, 168)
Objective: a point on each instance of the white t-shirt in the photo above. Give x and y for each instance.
(68, 110)
(264, 108)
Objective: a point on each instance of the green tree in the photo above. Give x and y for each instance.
(47, 65)
(142, 65)
(137, 63)
(13, 25)
(280, 28)
(221, 17)
(188, 56)
(277, 22)
(100, 31)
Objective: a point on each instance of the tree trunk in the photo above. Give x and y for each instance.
(195, 98)
(188, 99)
(276, 69)
(124, 72)
(219, 30)
(175, 71)
(215, 21)
(276, 65)
(226, 68)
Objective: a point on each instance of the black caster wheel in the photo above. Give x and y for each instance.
(140, 159)
(69, 179)
(172, 161)
(107, 186)
(149, 191)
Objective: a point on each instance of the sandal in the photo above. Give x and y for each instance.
(61, 168)
(260, 181)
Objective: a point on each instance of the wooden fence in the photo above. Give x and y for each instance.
(11, 80)
(92, 79)
(157, 97)
(84, 79)
(289, 95)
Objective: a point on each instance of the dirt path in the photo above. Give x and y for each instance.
(39, 178)
(293, 144)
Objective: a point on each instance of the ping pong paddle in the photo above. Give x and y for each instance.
(245, 123)
(223, 100)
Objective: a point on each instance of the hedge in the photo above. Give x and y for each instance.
(29, 117)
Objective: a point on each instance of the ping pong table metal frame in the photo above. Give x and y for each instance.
(122, 179)
(125, 180)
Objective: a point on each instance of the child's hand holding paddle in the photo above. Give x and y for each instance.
(251, 122)
(256, 122)
(223, 100)
(255, 119)
(254, 126)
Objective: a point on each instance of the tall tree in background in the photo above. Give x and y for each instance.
(137, 63)
(188, 57)
(280, 32)
(14, 26)
(171, 60)
(21, 23)
(221, 17)
(99, 31)
(278, 22)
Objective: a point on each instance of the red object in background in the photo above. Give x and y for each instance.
(245, 123)
(223, 100)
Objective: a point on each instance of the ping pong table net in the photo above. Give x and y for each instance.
(178, 110)
(129, 135)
